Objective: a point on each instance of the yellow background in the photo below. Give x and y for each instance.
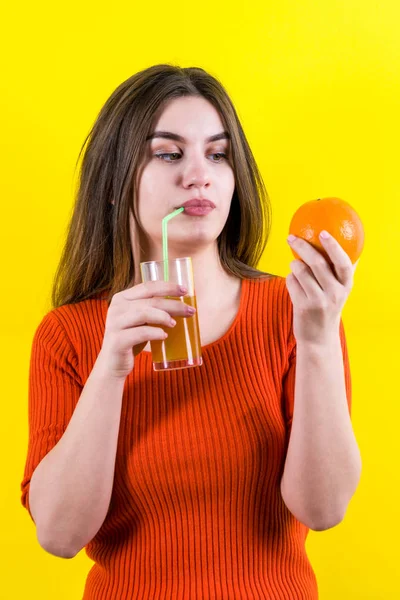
(317, 88)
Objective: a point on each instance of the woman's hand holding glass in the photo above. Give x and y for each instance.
(136, 316)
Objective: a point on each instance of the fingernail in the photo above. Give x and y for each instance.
(183, 289)
(191, 310)
(291, 238)
(324, 235)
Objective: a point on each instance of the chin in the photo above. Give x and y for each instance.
(191, 242)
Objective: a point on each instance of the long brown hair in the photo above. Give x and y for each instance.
(97, 257)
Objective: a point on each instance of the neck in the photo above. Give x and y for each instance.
(210, 278)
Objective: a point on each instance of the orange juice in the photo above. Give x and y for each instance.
(182, 347)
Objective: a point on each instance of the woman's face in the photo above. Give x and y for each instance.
(175, 171)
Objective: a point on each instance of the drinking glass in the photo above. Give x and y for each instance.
(182, 347)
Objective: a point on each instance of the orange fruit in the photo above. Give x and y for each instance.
(334, 215)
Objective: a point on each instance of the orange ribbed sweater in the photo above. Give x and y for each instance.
(196, 510)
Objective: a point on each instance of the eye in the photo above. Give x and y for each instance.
(222, 156)
(161, 156)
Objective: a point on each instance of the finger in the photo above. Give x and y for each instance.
(131, 338)
(152, 288)
(306, 279)
(341, 260)
(319, 265)
(294, 288)
(316, 264)
(173, 307)
(143, 315)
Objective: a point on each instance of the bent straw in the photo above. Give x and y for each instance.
(165, 240)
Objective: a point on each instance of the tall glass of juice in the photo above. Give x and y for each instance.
(182, 347)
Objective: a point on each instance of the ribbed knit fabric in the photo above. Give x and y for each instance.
(196, 510)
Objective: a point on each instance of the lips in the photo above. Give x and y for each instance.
(198, 202)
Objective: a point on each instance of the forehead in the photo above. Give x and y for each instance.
(190, 117)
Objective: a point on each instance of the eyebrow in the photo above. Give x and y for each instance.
(224, 135)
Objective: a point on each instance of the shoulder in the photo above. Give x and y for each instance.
(270, 301)
(74, 321)
(270, 286)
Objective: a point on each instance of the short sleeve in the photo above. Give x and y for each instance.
(54, 390)
(289, 378)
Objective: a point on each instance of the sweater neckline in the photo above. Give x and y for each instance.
(242, 302)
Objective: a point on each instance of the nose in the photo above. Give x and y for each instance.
(196, 174)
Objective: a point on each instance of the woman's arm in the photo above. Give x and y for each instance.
(70, 490)
(323, 462)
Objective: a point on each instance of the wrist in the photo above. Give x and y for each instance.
(102, 370)
(327, 343)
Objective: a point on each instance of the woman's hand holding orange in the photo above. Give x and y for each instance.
(317, 293)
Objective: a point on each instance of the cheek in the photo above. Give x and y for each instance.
(228, 187)
(149, 201)
(229, 180)
(149, 182)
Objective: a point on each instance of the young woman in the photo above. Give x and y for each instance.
(202, 482)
